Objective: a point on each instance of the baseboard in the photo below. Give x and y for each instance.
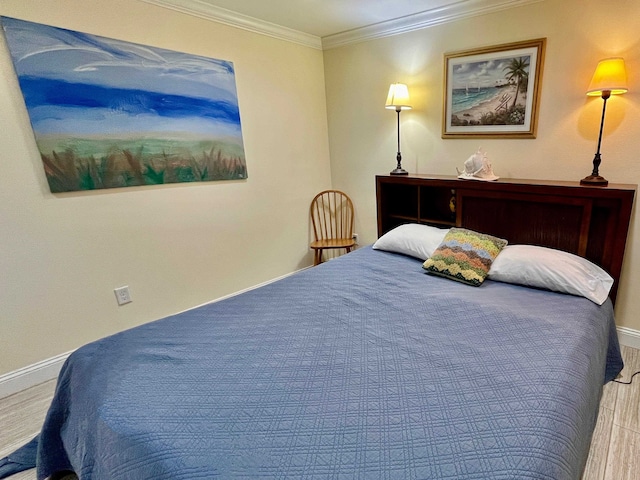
(629, 337)
(31, 375)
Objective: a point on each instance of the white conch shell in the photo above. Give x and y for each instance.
(477, 167)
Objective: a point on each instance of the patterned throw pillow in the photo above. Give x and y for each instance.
(465, 256)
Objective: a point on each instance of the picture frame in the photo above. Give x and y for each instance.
(493, 92)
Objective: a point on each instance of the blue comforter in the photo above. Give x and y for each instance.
(362, 367)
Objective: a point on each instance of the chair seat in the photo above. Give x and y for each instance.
(334, 243)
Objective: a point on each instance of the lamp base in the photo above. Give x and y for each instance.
(398, 171)
(594, 181)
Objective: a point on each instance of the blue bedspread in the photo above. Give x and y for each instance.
(362, 367)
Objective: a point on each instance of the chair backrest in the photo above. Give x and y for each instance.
(332, 215)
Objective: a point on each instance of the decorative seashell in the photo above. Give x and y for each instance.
(477, 167)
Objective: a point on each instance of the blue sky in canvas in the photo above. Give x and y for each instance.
(80, 84)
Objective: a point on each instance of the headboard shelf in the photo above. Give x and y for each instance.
(592, 222)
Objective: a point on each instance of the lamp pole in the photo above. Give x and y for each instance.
(595, 178)
(399, 170)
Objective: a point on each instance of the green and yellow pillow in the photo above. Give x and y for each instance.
(465, 256)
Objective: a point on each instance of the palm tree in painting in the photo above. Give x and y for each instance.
(518, 72)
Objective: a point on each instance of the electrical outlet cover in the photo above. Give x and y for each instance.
(122, 295)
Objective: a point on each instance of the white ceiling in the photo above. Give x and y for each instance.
(331, 23)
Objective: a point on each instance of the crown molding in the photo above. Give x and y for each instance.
(409, 23)
(207, 11)
(418, 21)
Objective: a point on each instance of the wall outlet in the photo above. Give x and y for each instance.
(122, 295)
(355, 237)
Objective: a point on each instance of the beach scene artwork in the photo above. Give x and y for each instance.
(492, 92)
(107, 113)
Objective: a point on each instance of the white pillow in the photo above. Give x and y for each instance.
(412, 239)
(553, 270)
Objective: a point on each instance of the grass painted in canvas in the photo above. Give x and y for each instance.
(108, 113)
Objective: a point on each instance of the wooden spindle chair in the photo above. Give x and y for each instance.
(332, 215)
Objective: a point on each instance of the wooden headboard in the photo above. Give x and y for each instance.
(588, 221)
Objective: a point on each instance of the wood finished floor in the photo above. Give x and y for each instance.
(615, 448)
(614, 455)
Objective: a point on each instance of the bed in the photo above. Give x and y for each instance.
(366, 366)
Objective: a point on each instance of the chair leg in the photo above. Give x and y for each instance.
(317, 256)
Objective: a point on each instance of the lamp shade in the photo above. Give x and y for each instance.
(610, 75)
(398, 98)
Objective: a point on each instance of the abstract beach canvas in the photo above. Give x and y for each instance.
(107, 113)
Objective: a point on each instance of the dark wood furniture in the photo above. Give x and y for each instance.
(585, 220)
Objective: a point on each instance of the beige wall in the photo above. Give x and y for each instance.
(176, 246)
(363, 134)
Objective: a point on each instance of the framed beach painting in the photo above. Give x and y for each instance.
(493, 92)
(108, 113)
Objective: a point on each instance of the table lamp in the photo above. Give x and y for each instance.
(610, 78)
(398, 100)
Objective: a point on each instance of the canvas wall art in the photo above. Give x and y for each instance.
(493, 92)
(108, 113)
